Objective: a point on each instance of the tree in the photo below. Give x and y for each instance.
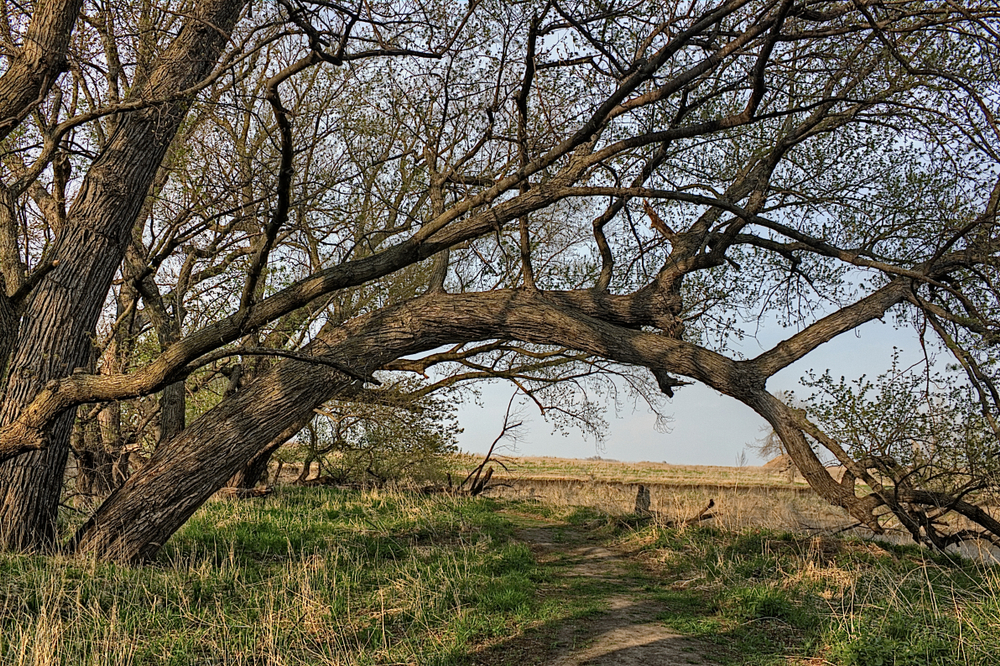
(398, 435)
(471, 175)
(88, 244)
(915, 433)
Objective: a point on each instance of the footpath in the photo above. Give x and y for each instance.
(627, 632)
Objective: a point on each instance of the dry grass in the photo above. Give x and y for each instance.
(735, 508)
(305, 576)
(564, 469)
(328, 576)
(785, 598)
(743, 496)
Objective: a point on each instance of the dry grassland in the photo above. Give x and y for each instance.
(744, 496)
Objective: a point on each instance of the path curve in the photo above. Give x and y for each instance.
(627, 633)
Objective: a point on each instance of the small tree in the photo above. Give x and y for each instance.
(917, 434)
(391, 436)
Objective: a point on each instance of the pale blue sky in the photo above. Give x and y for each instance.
(708, 428)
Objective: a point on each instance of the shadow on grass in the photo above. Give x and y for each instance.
(602, 611)
(609, 637)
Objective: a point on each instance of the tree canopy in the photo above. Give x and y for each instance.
(313, 199)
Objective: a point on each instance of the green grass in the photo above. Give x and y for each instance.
(328, 576)
(307, 576)
(774, 596)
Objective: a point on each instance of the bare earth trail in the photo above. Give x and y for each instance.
(627, 633)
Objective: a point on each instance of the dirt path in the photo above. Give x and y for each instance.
(627, 633)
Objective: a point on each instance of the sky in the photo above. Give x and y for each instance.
(708, 428)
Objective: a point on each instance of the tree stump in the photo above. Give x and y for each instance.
(642, 502)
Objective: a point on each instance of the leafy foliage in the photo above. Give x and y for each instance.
(389, 437)
(914, 429)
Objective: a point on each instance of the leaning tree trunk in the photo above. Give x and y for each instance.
(141, 515)
(250, 474)
(182, 474)
(55, 332)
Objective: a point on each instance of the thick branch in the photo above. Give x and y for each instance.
(846, 319)
(42, 58)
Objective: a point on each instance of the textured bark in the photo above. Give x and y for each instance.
(41, 59)
(11, 264)
(56, 328)
(141, 515)
(8, 329)
(11, 277)
(172, 409)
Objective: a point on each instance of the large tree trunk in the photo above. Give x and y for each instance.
(55, 332)
(141, 515)
(28, 78)
(42, 58)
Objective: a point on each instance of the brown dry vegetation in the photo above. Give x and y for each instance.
(649, 473)
(744, 497)
(762, 497)
(334, 576)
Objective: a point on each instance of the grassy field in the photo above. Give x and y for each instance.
(779, 597)
(649, 473)
(307, 576)
(334, 576)
(743, 496)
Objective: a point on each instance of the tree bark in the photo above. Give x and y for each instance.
(141, 515)
(42, 58)
(56, 328)
(172, 408)
(8, 329)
